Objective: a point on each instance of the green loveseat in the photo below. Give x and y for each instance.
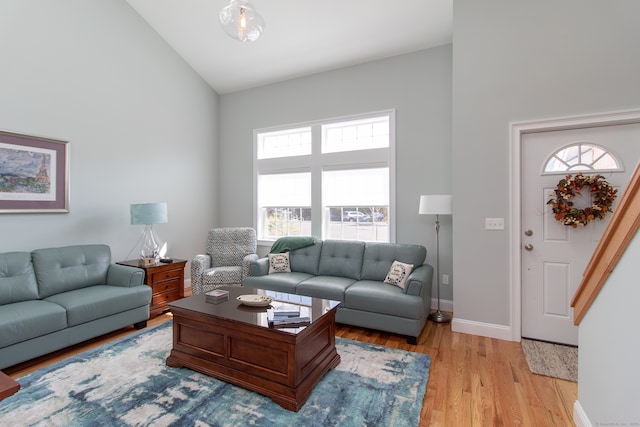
(53, 298)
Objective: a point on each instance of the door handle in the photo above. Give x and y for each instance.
(528, 247)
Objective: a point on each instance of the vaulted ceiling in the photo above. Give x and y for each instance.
(301, 37)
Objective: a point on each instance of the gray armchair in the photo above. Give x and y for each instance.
(226, 262)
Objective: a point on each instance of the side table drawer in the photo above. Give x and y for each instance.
(166, 281)
(164, 298)
(166, 286)
(165, 275)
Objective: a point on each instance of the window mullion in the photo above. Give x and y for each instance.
(316, 182)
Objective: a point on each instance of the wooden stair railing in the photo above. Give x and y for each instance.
(623, 225)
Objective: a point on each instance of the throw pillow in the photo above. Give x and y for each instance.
(279, 263)
(398, 274)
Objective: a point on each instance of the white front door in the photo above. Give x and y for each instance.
(554, 255)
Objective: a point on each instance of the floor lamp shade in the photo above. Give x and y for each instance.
(149, 214)
(437, 204)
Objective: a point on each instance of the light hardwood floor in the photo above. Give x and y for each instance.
(473, 381)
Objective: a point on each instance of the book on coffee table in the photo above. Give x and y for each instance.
(289, 322)
(217, 296)
(280, 314)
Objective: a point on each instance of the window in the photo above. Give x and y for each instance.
(355, 135)
(329, 179)
(358, 204)
(582, 157)
(285, 201)
(293, 142)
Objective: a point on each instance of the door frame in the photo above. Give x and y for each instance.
(517, 132)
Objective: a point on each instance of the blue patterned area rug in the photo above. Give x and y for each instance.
(126, 383)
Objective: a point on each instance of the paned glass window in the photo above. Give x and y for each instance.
(286, 143)
(329, 179)
(582, 157)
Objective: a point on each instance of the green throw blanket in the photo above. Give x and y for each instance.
(291, 243)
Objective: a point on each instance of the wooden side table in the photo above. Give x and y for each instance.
(165, 280)
(8, 386)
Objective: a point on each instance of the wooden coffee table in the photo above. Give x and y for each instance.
(233, 342)
(8, 386)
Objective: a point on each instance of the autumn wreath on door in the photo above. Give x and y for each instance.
(602, 192)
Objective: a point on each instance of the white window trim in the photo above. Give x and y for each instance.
(314, 163)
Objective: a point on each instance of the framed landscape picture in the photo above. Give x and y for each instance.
(34, 174)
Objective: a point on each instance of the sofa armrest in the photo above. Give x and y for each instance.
(259, 267)
(419, 282)
(124, 275)
(246, 264)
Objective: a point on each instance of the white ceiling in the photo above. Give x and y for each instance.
(301, 37)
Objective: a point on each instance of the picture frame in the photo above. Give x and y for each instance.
(34, 174)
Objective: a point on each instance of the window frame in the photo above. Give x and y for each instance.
(318, 162)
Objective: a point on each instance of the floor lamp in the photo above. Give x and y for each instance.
(436, 205)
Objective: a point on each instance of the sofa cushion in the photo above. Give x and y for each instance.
(281, 282)
(306, 260)
(327, 287)
(378, 257)
(95, 302)
(219, 276)
(17, 278)
(378, 297)
(342, 258)
(72, 267)
(22, 321)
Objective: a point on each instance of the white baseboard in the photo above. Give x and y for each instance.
(490, 330)
(580, 418)
(445, 305)
(187, 283)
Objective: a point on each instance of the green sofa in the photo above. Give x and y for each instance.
(53, 298)
(353, 272)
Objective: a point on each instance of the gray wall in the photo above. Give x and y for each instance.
(417, 85)
(515, 61)
(608, 373)
(141, 125)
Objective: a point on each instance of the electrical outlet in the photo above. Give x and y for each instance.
(445, 279)
(494, 223)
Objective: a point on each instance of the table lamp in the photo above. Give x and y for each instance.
(149, 214)
(436, 205)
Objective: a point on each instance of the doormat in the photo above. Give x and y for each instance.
(551, 360)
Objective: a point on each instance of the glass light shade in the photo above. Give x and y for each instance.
(241, 21)
(435, 204)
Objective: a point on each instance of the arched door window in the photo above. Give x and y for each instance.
(582, 157)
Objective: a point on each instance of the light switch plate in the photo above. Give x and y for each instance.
(494, 223)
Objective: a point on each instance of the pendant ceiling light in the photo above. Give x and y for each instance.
(241, 21)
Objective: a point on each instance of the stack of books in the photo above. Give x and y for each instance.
(288, 319)
(217, 296)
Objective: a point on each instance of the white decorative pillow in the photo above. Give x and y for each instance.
(398, 274)
(279, 263)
